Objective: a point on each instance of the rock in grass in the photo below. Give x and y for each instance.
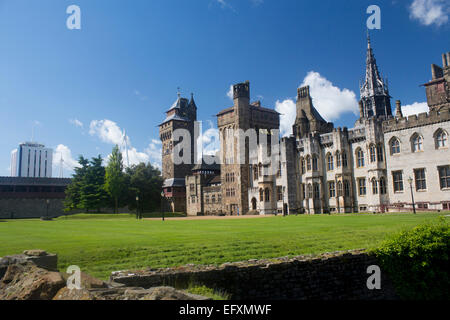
(29, 282)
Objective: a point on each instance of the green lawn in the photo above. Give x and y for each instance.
(100, 244)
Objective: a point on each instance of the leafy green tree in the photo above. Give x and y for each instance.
(115, 183)
(146, 181)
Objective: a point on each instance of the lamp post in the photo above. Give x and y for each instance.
(48, 204)
(163, 198)
(137, 207)
(410, 181)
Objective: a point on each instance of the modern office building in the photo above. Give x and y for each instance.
(31, 160)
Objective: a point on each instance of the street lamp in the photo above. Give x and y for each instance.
(48, 204)
(137, 207)
(163, 197)
(410, 181)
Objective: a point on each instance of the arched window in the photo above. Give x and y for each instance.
(267, 194)
(382, 185)
(380, 153)
(373, 153)
(330, 162)
(302, 165)
(441, 138)
(344, 160)
(316, 191)
(416, 143)
(308, 163)
(315, 167)
(339, 189)
(338, 159)
(359, 158)
(346, 188)
(374, 186)
(395, 146)
(261, 195)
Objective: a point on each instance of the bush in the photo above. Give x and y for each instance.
(417, 261)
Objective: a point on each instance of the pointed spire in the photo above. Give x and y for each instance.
(374, 86)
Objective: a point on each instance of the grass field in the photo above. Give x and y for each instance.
(100, 244)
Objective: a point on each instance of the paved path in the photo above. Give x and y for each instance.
(216, 217)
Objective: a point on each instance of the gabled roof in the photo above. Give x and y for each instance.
(174, 117)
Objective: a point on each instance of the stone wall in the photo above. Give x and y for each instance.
(30, 208)
(336, 276)
(37, 208)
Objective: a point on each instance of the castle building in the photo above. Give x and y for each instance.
(376, 166)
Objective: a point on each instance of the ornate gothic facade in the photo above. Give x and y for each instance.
(376, 166)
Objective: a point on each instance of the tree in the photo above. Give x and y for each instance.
(145, 181)
(73, 191)
(115, 183)
(93, 193)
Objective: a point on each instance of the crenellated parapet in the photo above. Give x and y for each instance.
(419, 120)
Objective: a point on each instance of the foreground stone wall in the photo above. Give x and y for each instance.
(337, 276)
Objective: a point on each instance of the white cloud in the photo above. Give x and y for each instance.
(76, 123)
(429, 12)
(230, 93)
(210, 140)
(288, 112)
(330, 101)
(154, 152)
(66, 154)
(415, 108)
(109, 132)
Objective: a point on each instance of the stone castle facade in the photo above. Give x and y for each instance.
(376, 166)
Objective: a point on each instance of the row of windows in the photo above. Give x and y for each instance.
(376, 153)
(264, 195)
(229, 177)
(420, 179)
(230, 192)
(311, 163)
(378, 186)
(440, 141)
(213, 198)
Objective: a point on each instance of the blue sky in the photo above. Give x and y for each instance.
(80, 88)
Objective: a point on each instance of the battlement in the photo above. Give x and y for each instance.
(241, 90)
(303, 92)
(419, 120)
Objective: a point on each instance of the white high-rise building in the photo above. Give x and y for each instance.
(31, 160)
